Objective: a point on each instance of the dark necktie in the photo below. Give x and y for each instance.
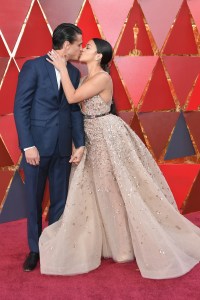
(60, 92)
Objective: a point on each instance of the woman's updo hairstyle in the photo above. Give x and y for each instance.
(105, 49)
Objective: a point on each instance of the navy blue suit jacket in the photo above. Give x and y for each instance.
(41, 118)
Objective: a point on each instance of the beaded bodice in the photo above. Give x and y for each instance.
(95, 106)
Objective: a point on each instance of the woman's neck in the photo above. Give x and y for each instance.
(93, 69)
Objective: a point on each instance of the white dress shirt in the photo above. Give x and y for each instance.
(58, 77)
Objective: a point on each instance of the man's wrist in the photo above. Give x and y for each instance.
(25, 149)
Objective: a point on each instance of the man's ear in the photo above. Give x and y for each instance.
(66, 45)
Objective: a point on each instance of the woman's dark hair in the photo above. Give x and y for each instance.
(64, 32)
(113, 109)
(105, 49)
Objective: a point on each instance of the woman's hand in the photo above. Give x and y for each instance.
(56, 60)
(77, 155)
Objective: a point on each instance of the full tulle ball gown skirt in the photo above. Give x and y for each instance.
(119, 206)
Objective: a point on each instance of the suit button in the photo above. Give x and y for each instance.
(56, 124)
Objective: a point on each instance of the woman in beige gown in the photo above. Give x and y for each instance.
(119, 205)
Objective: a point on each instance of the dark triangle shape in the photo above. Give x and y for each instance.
(15, 205)
(180, 144)
(136, 127)
(192, 203)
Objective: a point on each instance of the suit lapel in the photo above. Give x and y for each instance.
(62, 94)
(52, 75)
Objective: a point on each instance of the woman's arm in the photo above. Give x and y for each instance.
(92, 87)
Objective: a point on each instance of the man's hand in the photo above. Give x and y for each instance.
(77, 155)
(32, 156)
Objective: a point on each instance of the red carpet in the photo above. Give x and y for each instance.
(109, 281)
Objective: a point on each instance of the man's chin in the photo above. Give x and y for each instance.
(75, 58)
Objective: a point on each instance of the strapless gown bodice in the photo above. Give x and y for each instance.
(95, 106)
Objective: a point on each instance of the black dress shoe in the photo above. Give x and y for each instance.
(31, 261)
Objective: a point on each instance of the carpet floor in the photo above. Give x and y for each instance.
(111, 281)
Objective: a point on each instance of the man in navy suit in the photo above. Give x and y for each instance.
(47, 126)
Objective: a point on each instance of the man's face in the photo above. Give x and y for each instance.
(73, 50)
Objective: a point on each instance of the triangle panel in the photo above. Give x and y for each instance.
(58, 12)
(195, 11)
(158, 136)
(12, 16)
(158, 96)
(193, 122)
(10, 137)
(111, 23)
(183, 71)
(8, 89)
(180, 179)
(136, 127)
(119, 94)
(5, 159)
(180, 144)
(5, 180)
(88, 24)
(179, 43)
(127, 116)
(3, 66)
(141, 40)
(135, 71)
(36, 39)
(15, 206)
(192, 203)
(3, 50)
(158, 18)
(194, 100)
(82, 67)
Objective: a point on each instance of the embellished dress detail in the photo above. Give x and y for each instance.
(119, 206)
